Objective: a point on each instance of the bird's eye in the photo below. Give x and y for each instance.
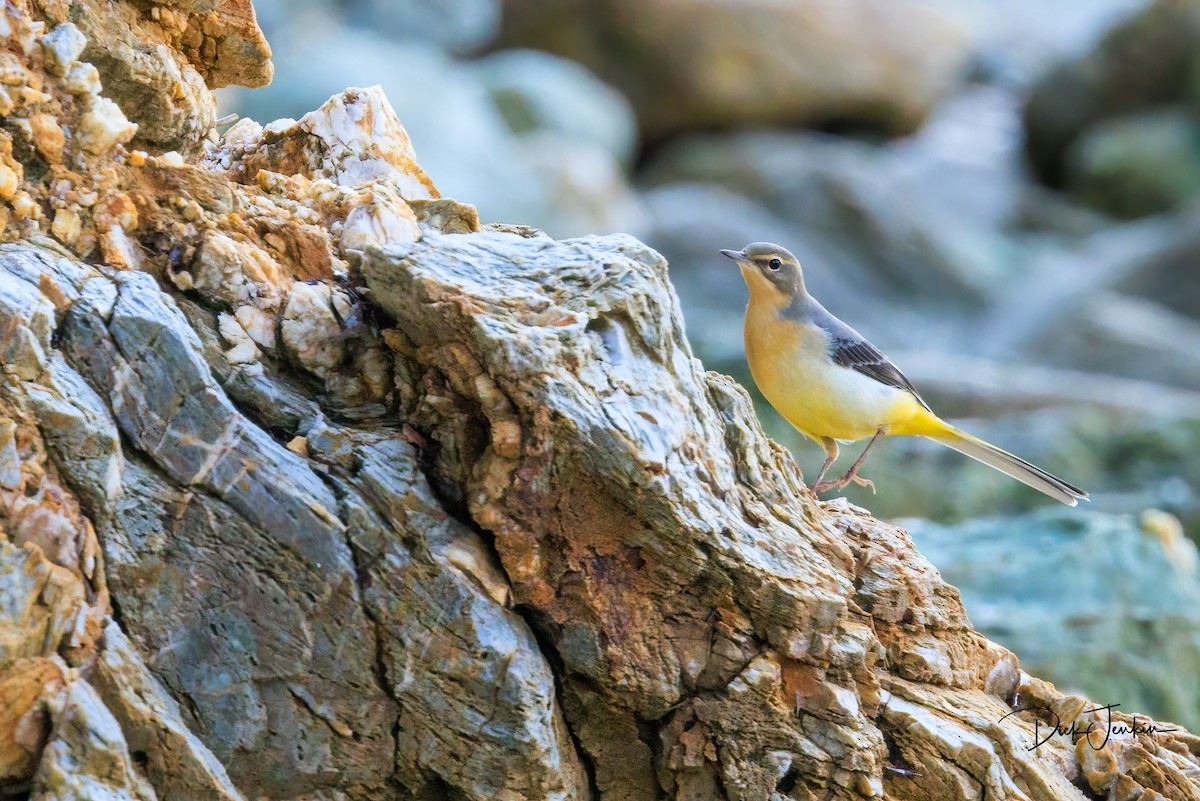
(774, 264)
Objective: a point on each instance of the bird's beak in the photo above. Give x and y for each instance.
(736, 255)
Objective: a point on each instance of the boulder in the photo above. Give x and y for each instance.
(705, 64)
(158, 67)
(535, 91)
(1137, 164)
(1146, 62)
(1100, 604)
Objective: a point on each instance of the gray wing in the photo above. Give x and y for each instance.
(849, 348)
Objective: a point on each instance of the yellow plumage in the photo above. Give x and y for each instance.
(791, 343)
(790, 365)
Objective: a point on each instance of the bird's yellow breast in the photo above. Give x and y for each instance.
(791, 365)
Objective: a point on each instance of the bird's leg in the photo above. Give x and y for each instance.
(831, 454)
(852, 473)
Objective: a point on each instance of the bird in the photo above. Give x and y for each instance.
(835, 387)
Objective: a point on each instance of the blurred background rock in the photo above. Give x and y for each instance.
(1002, 196)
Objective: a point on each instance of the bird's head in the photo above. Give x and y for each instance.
(772, 272)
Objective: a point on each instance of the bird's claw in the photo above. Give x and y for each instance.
(825, 486)
(864, 482)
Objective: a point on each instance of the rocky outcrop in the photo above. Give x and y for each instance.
(529, 137)
(313, 487)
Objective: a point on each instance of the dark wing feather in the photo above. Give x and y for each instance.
(849, 348)
(865, 358)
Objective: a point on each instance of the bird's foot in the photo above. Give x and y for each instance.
(862, 482)
(825, 486)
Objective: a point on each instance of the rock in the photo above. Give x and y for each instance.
(77, 114)
(1099, 765)
(234, 274)
(459, 25)
(1017, 44)
(344, 59)
(382, 221)
(62, 47)
(102, 126)
(708, 64)
(87, 756)
(289, 709)
(525, 727)
(223, 40)
(538, 92)
(358, 139)
(1138, 164)
(177, 763)
(412, 284)
(1143, 63)
(154, 66)
(1108, 332)
(477, 694)
(289, 717)
(8, 182)
(1080, 596)
(310, 328)
(41, 603)
(243, 349)
(83, 80)
(24, 723)
(560, 169)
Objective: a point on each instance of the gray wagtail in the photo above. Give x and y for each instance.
(835, 386)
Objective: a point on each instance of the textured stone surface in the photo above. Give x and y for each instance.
(722, 607)
(526, 136)
(86, 756)
(176, 762)
(159, 63)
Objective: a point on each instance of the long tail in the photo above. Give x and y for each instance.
(1014, 466)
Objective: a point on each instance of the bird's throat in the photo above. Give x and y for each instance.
(764, 295)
